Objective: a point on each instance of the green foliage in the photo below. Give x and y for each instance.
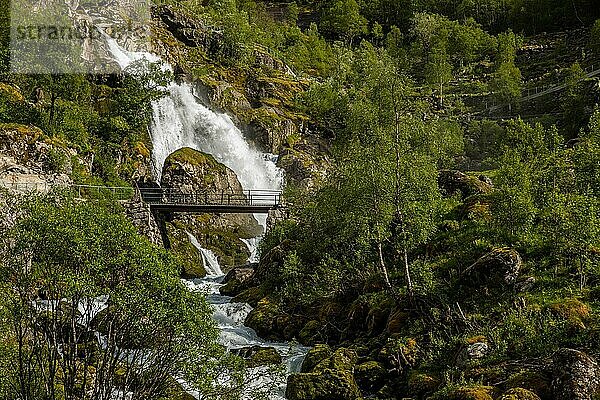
(342, 18)
(506, 84)
(595, 37)
(72, 253)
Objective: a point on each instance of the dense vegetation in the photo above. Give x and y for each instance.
(393, 253)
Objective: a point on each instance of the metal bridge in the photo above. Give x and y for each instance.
(167, 199)
(249, 201)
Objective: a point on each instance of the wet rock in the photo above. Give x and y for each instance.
(500, 266)
(324, 385)
(188, 255)
(257, 356)
(315, 356)
(234, 280)
(575, 375)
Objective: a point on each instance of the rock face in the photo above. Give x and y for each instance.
(234, 280)
(501, 265)
(27, 162)
(328, 376)
(576, 375)
(188, 171)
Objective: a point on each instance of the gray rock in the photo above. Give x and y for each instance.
(575, 375)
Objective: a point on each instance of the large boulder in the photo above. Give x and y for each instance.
(575, 375)
(317, 354)
(329, 384)
(234, 280)
(499, 266)
(257, 356)
(325, 375)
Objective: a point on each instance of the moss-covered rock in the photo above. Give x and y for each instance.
(193, 173)
(328, 384)
(422, 384)
(257, 356)
(501, 266)
(370, 376)
(535, 381)
(452, 182)
(315, 356)
(572, 310)
(519, 394)
(474, 392)
(342, 359)
(310, 332)
(263, 318)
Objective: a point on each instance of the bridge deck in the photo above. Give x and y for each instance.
(250, 201)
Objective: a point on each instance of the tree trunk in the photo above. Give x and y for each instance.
(386, 277)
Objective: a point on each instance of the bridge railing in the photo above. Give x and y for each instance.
(80, 191)
(246, 198)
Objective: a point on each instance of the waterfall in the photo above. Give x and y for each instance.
(209, 259)
(252, 245)
(179, 120)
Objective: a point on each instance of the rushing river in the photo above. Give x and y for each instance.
(234, 335)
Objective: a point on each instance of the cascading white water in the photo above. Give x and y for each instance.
(211, 263)
(179, 120)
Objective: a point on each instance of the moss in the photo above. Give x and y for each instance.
(475, 392)
(187, 155)
(422, 384)
(10, 92)
(519, 394)
(572, 310)
(141, 149)
(20, 132)
(265, 356)
(533, 381)
(188, 255)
